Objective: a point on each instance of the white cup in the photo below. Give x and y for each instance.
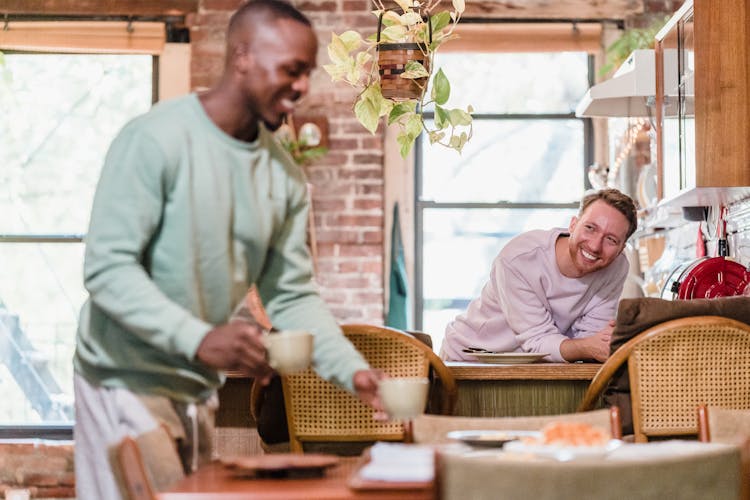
(404, 397)
(289, 351)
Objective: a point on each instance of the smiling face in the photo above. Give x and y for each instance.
(274, 68)
(596, 239)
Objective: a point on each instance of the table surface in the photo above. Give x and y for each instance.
(216, 482)
(464, 370)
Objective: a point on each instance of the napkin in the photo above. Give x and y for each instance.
(399, 462)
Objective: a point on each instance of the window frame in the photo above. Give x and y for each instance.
(170, 77)
(421, 205)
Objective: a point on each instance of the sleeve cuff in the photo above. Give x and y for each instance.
(191, 335)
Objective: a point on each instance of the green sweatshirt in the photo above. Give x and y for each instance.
(185, 218)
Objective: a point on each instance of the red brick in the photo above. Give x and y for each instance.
(347, 143)
(328, 204)
(375, 267)
(371, 142)
(370, 189)
(345, 282)
(368, 204)
(338, 236)
(327, 249)
(372, 236)
(230, 5)
(358, 221)
(356, 5)
(316, 6)
(367, 297)
(359, 250)
(368, 159)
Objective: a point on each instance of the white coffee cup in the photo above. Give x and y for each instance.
(404, 397)
(289, 351)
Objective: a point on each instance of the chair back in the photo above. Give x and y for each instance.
(432, 429)
(680, 364)
(147, 463)
(713, 472)
(317, 410)
(723, 425)
(729, 426)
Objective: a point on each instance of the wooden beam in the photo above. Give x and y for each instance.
(99, 7)
(525, 37)
(558, 9)
(543, 9)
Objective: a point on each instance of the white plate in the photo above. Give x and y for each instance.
(508, 358)
(490, 438)
(563, 453)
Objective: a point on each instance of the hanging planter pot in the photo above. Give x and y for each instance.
(392, 68)
(392, 61)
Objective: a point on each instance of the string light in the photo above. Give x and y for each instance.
(638, 124)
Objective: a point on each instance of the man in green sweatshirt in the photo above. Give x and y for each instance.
(196, 202)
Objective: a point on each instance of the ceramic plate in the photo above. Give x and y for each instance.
(489, 438)
(508, 358)
(563, 453)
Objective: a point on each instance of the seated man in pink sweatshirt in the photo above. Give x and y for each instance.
(553, 291)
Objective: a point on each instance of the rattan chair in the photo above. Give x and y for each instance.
(676, 366)
(432, 429)
(318, 411)
(147, 463)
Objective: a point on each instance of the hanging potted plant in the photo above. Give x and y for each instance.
(392, 68)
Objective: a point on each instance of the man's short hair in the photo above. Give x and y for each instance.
(267, 10)
(616, 199)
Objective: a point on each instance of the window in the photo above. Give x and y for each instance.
(63, 104)
(60, 112)
(523, 169)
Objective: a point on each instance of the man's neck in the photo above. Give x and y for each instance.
(227, 110)
(563, 259)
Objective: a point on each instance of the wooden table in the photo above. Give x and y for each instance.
(493, 390)
(215, 482)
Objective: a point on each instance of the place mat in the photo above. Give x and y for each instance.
(376, 468)
(278, 465)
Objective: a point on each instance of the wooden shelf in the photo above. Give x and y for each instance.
(707, 196)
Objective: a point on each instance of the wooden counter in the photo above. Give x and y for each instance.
(492, 390)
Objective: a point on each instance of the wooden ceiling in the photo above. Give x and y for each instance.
(99, 7)
(498, 9)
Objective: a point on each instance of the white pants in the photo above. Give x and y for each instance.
(103, 417)
(106, 415)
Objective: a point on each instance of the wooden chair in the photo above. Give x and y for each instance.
(147, 464)
(318, 411)
(433, 428)
(676, 366)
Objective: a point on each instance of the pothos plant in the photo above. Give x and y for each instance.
(630, 40)
(354, 61)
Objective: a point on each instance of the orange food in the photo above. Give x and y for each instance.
(573, 434)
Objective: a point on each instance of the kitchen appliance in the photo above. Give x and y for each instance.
(706, 278)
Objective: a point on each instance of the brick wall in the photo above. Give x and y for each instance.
(44, 468)
(348, 193)
(348, 181)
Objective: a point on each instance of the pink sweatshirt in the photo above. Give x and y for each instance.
(529, 306)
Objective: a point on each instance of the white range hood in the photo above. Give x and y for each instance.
(632, 89)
